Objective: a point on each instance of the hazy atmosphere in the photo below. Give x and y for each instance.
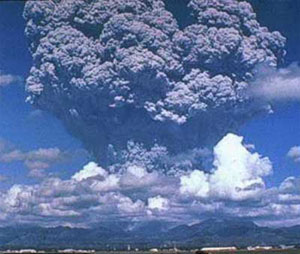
(138, 111)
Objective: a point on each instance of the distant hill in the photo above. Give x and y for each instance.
(212, 232)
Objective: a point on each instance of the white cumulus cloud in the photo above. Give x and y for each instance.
(294, 153)
(277, 84)
(89, 170)
(158, 203)
(237, 174)
(196, 183)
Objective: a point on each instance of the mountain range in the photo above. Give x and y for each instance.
(212, 232)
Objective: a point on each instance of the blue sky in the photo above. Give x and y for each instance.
(275, 134)
(28, 129)
(20, 123)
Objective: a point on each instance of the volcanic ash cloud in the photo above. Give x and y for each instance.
(133, 75)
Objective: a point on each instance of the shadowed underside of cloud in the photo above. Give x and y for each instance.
(234, 186)
(115, 71)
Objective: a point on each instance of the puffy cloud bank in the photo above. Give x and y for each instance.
(123, 71)
(234, 186)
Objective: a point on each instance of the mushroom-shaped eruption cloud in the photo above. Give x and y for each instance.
(116, 71)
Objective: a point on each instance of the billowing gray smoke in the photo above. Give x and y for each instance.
(168, 75)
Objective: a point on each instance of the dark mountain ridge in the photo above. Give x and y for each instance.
(212, 232)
